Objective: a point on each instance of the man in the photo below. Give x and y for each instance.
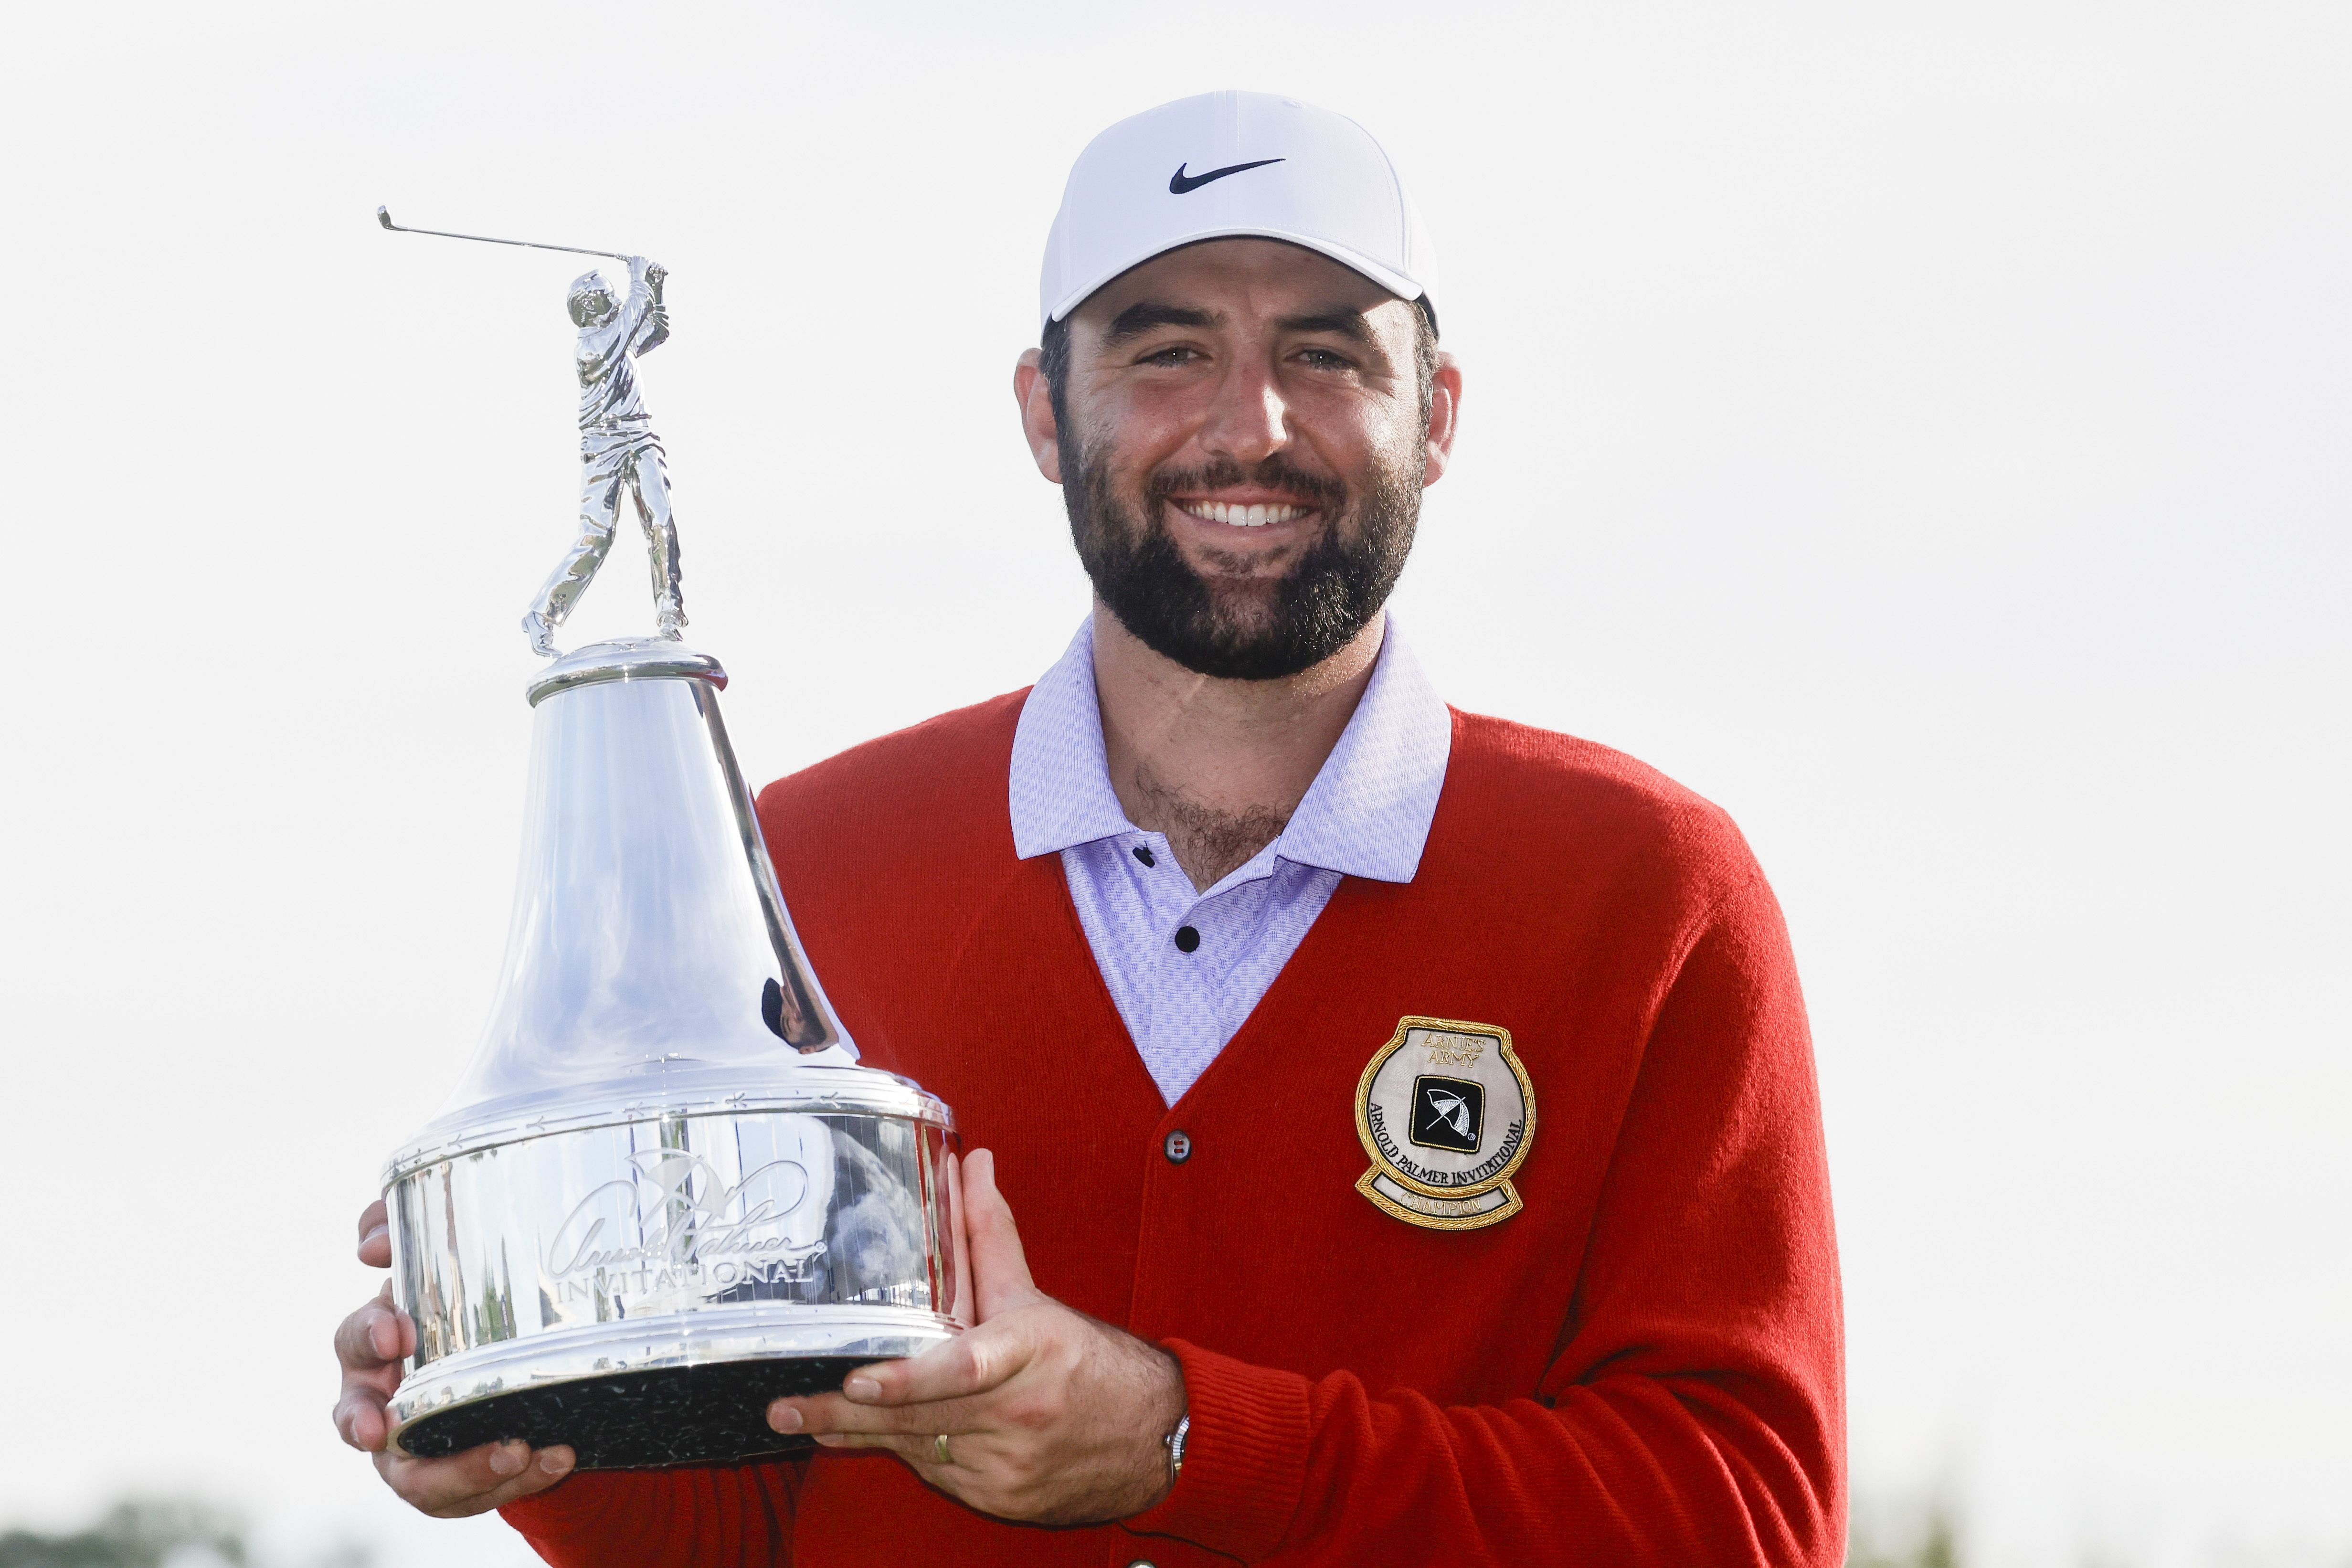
(619, 453)
(1395, 1137)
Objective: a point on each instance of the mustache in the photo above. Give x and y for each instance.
(1273, 472)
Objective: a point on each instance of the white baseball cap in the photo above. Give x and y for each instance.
(1230, 164)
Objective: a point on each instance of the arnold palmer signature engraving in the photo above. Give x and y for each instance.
(684, 1214)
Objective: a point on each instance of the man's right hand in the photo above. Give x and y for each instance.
(370, 1343)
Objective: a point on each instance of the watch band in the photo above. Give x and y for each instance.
(1174, 1443)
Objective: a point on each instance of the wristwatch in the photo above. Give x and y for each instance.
(1174, 1443)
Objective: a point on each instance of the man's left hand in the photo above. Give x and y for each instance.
(1050, 1416)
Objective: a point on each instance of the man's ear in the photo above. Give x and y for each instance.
(1036, 401)
(1445, 411)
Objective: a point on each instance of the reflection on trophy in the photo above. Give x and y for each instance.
(664, 1194)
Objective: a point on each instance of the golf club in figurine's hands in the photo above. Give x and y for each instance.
(665, 1194)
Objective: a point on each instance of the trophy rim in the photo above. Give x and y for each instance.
(624, 658)
(730, 1090)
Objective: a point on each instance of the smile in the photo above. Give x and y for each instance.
(1241, 516)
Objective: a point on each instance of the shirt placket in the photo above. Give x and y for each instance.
(1193, 946)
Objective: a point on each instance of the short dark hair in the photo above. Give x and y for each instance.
(1054, 360)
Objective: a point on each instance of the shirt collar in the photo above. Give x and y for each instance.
(1366, 814)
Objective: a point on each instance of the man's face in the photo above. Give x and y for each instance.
(1243, 452)
(589, 309)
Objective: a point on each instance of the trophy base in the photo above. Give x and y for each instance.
(681, 1390)
(635, 1420)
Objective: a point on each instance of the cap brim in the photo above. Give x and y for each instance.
(1395, 282)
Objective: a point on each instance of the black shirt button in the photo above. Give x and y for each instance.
(1187, 939)
(1143, 853)
(1178, 1147)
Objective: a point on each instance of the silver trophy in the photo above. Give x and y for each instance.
(664, 1194)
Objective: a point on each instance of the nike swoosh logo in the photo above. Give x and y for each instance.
(1180, 181)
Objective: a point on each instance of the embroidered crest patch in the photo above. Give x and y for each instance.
(1446, 1112)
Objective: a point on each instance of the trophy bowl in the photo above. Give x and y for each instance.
(665, 1194)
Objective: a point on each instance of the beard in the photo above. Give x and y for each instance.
(1236, 627)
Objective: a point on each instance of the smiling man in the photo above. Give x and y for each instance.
(1395, 1134)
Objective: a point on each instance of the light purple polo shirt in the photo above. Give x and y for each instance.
(1366, 814)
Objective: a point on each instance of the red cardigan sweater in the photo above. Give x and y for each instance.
(1643, 1365)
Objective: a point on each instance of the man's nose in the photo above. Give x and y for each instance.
(1250, 421)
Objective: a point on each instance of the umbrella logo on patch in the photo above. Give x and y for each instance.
(1447, 1113)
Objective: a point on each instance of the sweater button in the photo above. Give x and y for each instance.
(1178, 1147)
(1187, 939)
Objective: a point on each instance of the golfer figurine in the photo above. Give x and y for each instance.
(619, 453)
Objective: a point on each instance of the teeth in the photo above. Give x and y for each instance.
(1243, 516)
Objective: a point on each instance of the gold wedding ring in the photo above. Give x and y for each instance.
(940, 1449)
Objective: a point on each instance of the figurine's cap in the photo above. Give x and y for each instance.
(1226, 164)
(587, 283)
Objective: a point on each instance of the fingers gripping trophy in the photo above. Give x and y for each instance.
(665, 1193)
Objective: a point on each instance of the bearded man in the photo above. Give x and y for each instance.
(1400, 1138)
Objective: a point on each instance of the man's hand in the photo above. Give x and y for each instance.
(1050, 1416)
(370, 1343)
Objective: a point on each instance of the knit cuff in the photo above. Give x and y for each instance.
(1244, 1456)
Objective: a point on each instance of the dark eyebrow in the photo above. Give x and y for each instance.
(1340, 321)
(1148, 315)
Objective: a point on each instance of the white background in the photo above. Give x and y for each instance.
(1922, 429)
